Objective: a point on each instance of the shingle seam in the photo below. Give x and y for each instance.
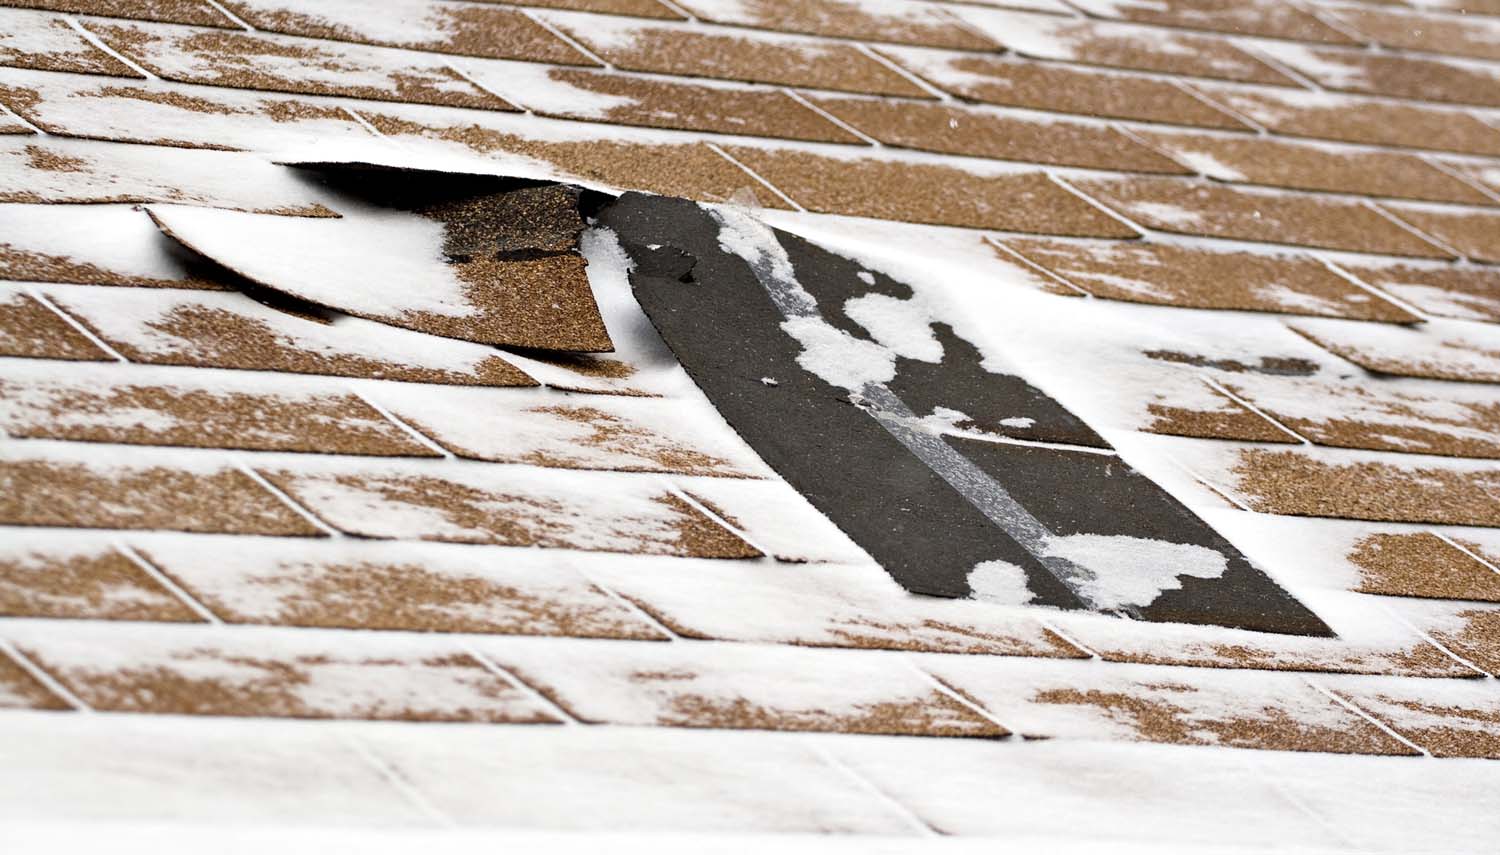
(409, 791)
(1437, 163)
(1226, 495)
(171, 585)
(672, 487)
(1068, 637)
(631, 606)
(1329, 18)
(482, 87)
(7, 112)
(525, 688)
(311, 518)
(1378, 293)
(1187, 89)
(1399, 618)
(363, 122)
(1351, 707)
(943, 688)
(1125, 130)
(421, 438)
(911, 77)
(714, 147)
(1105, 209)
(907, 815)
(36, 672)
(99, 43)
(1275, 422)
(571, 42)
(687, 14)
(840, 123)
(1420, 233)
(1055, 277)
(83, 330)
(1465, 550)
(1254, 52)
(238, 21)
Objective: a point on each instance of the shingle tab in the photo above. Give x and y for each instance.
(52, 578)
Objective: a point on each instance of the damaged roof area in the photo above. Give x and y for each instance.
(1063, 421)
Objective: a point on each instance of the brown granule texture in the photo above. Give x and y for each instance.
(1280, 366)
(72, 495)
(20, 264)
(1085, 91)
(106, 586)
(1478, 641)
(285, 688)
(13, 126)
(1474, 732)
(84, 59)
(1273, 728)
(697, 535)
(887, 190)
(20, 690)
(1390, 421)
(1462, 291)
(529, 302)
(1421, 565)
(161, 415)
(828, 65)
(849, 20)
(470, 30)
(409, 597)
(628, 8)
(166, 11)
(1359, 121)
(1428, 33)
(1476, 234)
(1286, 482)
(543, 219)
(1165, 52)
(935, 715)
(1196, 208)
(1232, 422)
(658, 103)
(1419, 660)
(1204, 279)
(235, 58)
(48, 160)
(27, 328)
(1270, 18)
(219, 338)
(951, 130)
(691, 170)
(1411, 77)
(1380, 361)
(1261, 160)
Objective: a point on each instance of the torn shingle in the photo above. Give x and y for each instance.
(46, 42)
(740, 687)
(519, 506)
(1187, 207)
(107, 407)
(416, 234)
(124, 668)
(879, 188)
(474, 29)
(48, 579)
(98, 490)
(28, 328)
(732, 54)
(992, 134)
(354, 584)
(1063, 88)
(282, 64)
(1190, 277)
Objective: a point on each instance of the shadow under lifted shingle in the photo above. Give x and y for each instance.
(896, 442)
(461, 256)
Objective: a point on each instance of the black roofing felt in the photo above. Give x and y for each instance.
(925, 527)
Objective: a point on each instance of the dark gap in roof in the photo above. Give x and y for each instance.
(777, 332)
(1286, 366)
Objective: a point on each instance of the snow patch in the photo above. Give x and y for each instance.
(999, 582)
(1134, 571)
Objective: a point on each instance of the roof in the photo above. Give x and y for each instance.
(731, 423)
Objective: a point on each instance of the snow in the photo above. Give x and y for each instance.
(1134, 571)
(999, 582)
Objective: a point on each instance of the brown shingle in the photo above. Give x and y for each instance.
(46, 42)
(20, 690)
(692, 170)
(516, 506)
(199, 416)
(988, 133)
(903, 22)
(1341, 117)
(1472, 632)
(730, 55)
(1199, 278)
(1449, 720)
(233, 331)
(279, 64)
(634, 8)
(172, 11)
(60, 243)
(1442, 353)
(1258, 160)
(140, 495)
(653, 102)
(1418, 78)
(1067, 89)
(1470, 293)
(472, 29)
(1421, 564)
(887, 190)
(27, 328)
(1476, 234)
(1471, 36)
(194, 673)
(1199, 208)
(82, 582)
(1271, 18)
(1301, 484)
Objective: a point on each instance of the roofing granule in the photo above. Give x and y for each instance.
(28, 328)
(100, 584)
(1422, 564)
